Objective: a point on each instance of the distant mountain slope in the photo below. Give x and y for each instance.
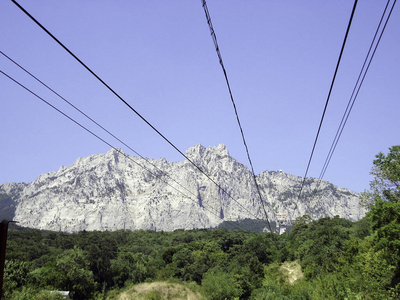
(9, 198)
(111, 191)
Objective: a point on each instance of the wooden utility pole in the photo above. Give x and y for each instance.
(3, 244)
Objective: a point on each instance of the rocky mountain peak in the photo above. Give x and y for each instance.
(222, 150)
(199, 151)
(196, 151)
(110, 192)
(115, 152)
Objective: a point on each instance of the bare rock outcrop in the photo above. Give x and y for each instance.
(115, 191)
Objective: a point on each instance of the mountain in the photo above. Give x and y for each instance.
(115, 191)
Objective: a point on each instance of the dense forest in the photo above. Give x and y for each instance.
(339, 259)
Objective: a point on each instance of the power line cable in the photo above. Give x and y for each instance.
(127, 104)
(147, 160)
(107, 143)
(351, 102)
(214, 37)
(324, 111)
(329, 94)
(354, 93)
(352, 99)
(93, 121)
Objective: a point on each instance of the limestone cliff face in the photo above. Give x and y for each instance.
(113, 191)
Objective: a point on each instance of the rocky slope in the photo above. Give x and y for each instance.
(115, 191)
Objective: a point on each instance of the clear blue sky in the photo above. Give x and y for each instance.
(280, 57)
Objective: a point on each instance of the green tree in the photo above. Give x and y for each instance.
(386, 182)
(76, 277)
(384, 197)
(70, 272)
(182, 260)
(132, 267)
(218, 285)
(15, 275)
(28, 293)
(319, 245)
(207, 256)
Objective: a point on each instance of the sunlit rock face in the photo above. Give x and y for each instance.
(115, 191)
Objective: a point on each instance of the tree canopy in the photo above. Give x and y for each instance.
(339, 259)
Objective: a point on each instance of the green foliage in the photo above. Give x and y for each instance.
(339, 259)
(386, 182)
(76, 277)
(248, 225)
(15, 275)
(275, 286)
(25, 245)
(132, 268)
(218, 285)
(385, 220)
(385, 211)
(361, 228)
(387, 175)
(69, 272)
(319, 245)
(101, 248)
(153, 295)
(30, 293)
(273, 290)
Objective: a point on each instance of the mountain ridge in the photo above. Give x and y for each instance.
(112, 191)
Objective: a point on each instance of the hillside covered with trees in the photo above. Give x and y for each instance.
(339, 259)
